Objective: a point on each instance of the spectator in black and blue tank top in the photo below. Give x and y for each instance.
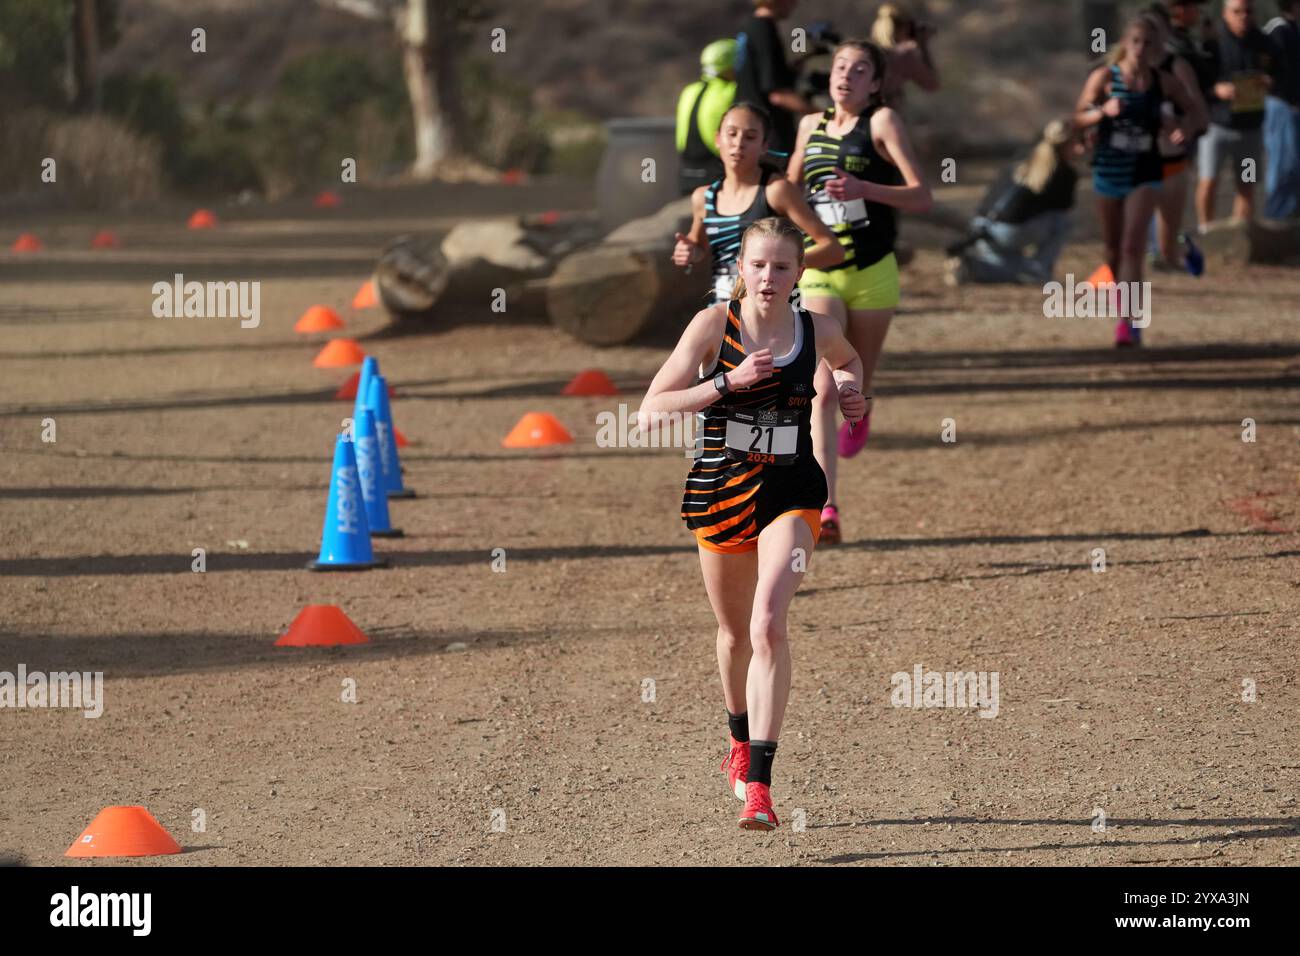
(1123, 99)
(1282, 115)
(1243, 64)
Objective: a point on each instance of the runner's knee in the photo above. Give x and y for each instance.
(766, 633)
(732, 638)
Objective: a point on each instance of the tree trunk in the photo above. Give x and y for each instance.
(85, 56)
(431, 61)
(414, 38)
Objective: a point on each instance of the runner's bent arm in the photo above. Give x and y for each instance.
(1087, 113)
(788, 201)
(794, 168)
(1175, 88)
(913, 197)
(673, 388)
(692, 247)
(846, 365)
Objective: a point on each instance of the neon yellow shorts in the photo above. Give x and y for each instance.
(875, 287)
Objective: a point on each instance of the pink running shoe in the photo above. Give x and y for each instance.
(853, 439)
(830, 533)
(1127, 336)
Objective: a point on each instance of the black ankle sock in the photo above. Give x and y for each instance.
(739, 724)
(761, 753)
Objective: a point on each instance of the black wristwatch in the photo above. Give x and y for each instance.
(720, 383)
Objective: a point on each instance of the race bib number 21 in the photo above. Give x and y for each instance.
(763, 437)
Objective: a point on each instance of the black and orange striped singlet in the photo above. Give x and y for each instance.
(769, 471)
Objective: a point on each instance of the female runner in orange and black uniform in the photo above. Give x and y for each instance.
(754, 496)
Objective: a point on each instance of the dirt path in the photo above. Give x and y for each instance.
(523, 691)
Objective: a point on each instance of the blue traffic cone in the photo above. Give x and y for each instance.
(345, 539)
(370, 471)
(377, 400)
(369, 369)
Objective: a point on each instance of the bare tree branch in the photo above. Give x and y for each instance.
(367, 9)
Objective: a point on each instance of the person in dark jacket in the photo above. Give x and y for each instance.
(764, 76)
(1028, 206)
(1244, 63)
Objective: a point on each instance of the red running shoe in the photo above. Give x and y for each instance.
(737, 766)
(758, 813)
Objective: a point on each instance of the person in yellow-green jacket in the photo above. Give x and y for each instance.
(699, 114)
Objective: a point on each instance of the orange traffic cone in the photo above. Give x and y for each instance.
(365, 297)
(326, 199)
(592, 381)
(27, 243)
(318, 318)
(402, 440)
(1102, 276)
(535, 430)
(321, 625)
(123, 831)
(348, 390)
(105, 239)
(202, 219)
(338, 353)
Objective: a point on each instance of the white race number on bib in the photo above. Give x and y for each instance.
(763, 437)
(852, 212)
(1131, 142)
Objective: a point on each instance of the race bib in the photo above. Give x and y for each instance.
(1130, 142)
(853, 212)
(1250, 92)
(763, 437)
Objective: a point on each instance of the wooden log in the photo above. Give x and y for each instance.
(1225, 242)
(1235, 242)
(610, 293)
(1273, 240)
(411, 276)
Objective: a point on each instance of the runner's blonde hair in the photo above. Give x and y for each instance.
(773, 227)
(1144, 20)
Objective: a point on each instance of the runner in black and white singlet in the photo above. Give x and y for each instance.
(752, 498)
(748, 192)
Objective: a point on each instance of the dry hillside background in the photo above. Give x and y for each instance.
(1006, 63)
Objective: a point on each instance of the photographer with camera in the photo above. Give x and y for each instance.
(906, 42)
